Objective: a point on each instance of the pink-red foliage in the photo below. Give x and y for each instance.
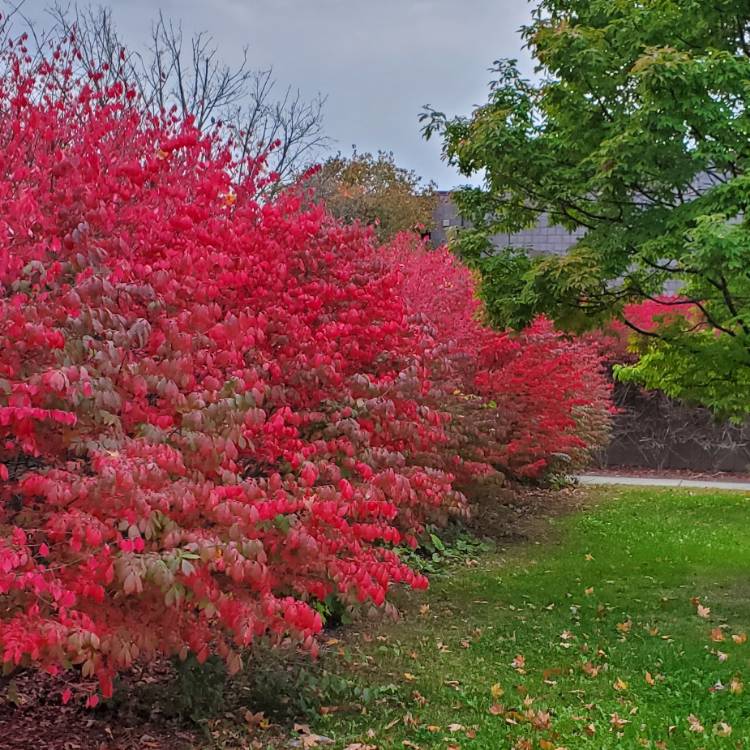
(207, 405)
(521, 403)
(617, 343)
(215, 412)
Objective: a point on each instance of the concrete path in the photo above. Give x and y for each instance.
(702, 484)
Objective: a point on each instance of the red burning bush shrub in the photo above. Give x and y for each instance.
(522, 403)
(214, 412)
(207, 405)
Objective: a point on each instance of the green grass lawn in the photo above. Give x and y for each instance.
(623, 628)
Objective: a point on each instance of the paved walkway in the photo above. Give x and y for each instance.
(703, 484)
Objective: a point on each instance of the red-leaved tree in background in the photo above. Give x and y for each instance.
(215, 412)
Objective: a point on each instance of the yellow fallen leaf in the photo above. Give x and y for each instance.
(433, 729)
(497, 691)
(736, 686)
(409, 677)
(739, 638)
(620, 684)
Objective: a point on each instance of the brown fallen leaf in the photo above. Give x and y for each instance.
(496, 709)
(694, 724)
(542, 720)
(704, 612)
(739, 638)
(722, 729)
(624, 627)
(617, 721)
(736, 686)
(590, 670)
(453, 728)
(519, 662)
(590, 729)
(717, 635)
(433, 728)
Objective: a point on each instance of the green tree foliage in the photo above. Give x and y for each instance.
(377, 192)
(636, 129)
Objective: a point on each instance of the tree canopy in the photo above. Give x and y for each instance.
(635, 128)
(376, 191)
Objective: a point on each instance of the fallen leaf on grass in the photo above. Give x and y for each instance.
(721, 656)
(624, 627)
(649, 679)
(518, 663)
(735, 686)
(617, 721)
(409, 677)
(704, 612)
(590, 670)
(694, 724)
(722, 729)
(360, 746)
(453, 728)
(620, 684)
(542, 720)
(739, 638)
(496, 709)
(717, 635)
(497, 691)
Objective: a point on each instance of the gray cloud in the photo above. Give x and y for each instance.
(378, 62)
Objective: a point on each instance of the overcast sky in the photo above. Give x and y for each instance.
(377, 61)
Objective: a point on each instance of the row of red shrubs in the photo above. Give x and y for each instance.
(215, 411)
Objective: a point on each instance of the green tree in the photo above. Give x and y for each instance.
(636, 128)
(375, 191)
